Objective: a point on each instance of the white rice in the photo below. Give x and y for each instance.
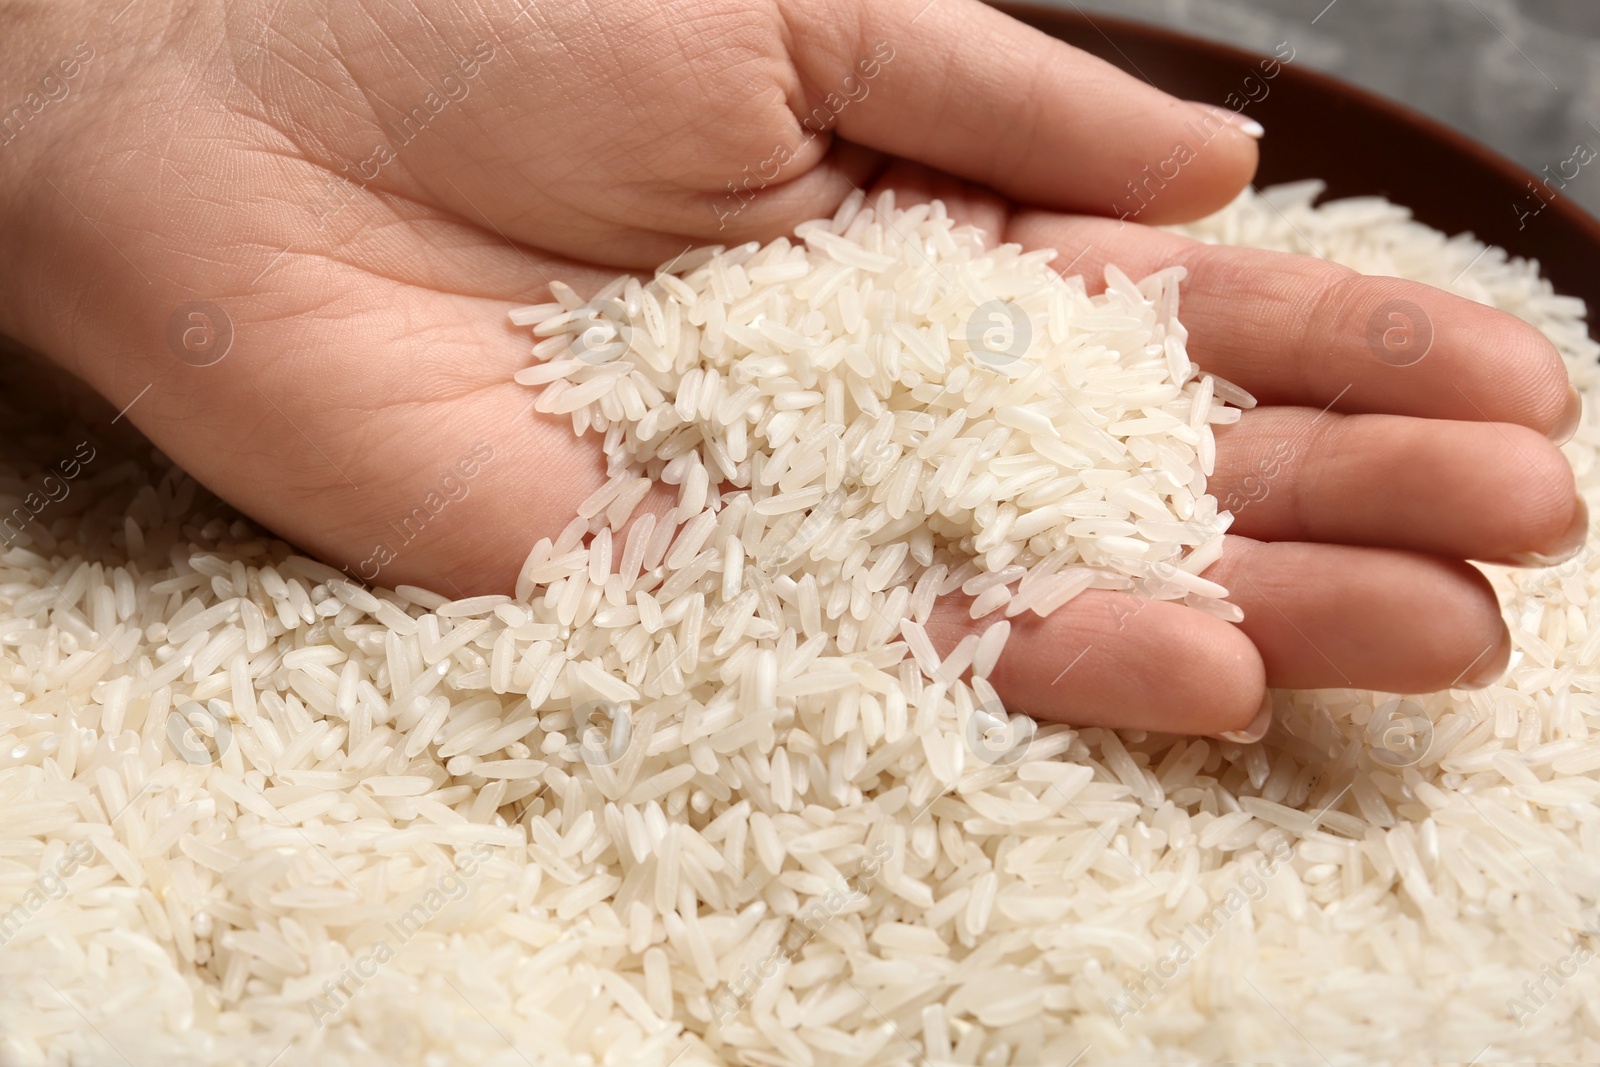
(581, 827)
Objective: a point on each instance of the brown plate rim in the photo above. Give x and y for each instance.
(1567, 209)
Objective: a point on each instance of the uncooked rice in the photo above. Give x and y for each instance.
(705, 792)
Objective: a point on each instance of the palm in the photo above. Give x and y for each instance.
(371, 365)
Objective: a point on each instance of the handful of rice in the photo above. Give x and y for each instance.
(883, 413)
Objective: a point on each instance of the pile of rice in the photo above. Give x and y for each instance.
(706, 793)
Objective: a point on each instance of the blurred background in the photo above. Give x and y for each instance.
(1522, 76)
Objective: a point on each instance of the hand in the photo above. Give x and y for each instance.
(363, 193)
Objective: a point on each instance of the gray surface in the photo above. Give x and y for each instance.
(1522, 76)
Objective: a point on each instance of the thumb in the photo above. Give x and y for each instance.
(964, 88)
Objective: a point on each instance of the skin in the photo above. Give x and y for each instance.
(232, 155)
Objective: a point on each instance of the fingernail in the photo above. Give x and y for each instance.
(1493, 668)
(1247, 126)
(1571, 544)
(1243, 123)
(1562, 432)
(1258, 726)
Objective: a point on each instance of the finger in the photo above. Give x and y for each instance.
(1092, 663)
(1369, 618)
(1296, 330)
(968, 90)
(1491, 491)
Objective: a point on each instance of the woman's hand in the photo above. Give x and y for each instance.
(351, 196)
